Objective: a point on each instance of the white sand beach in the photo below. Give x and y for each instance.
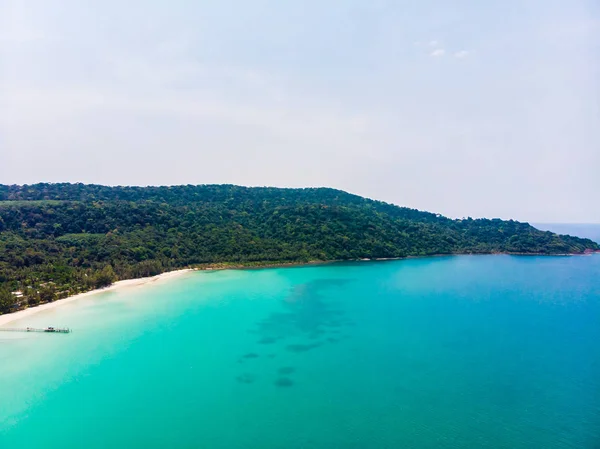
(119, 285)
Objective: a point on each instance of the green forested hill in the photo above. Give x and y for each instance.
(59, 239)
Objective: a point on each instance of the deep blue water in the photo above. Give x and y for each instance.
(445, 352)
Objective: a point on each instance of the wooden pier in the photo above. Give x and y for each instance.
(55, 330)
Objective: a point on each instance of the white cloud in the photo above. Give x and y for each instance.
(433, 43)
(461, 54)
(438, 52)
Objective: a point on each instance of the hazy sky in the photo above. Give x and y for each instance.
(467, 108)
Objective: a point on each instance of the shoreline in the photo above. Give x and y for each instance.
(258, 265)
(119, 285)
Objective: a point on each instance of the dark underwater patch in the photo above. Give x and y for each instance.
(246, 378)
(286, 370)
(301, 347)
(308, 314)
(284, 382)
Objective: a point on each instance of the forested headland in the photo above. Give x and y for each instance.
(60, 239)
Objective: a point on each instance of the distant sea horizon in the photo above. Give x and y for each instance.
(585, 230)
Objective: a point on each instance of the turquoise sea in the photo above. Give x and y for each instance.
(444, 352)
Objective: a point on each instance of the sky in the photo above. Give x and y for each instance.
(465, 108)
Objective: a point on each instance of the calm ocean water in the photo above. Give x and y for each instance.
(448, 352)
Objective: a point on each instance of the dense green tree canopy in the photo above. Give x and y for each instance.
(59, 239)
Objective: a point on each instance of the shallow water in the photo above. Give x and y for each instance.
(454, 352)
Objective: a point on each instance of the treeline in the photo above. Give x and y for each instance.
(61, 239)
